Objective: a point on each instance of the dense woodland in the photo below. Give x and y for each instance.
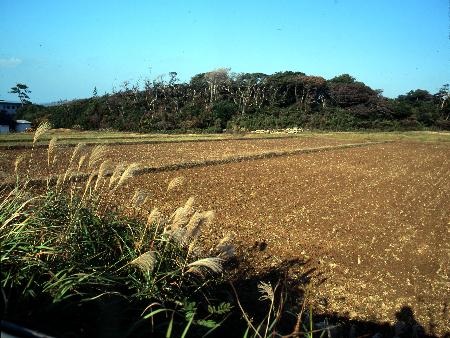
(219, 100)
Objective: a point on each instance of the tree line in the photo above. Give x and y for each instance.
(218, 100)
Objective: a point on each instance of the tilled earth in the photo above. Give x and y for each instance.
(373, 222)
(154, 155)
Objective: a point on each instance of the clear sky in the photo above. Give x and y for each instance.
(62, 49)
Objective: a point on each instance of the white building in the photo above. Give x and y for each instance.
(7, 113)
(9, 108)
(22, 125)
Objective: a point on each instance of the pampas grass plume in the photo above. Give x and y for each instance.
(101, 172)
(139, 198)
(145, 262)
(51, 156)
(224, 248)
(81, 161)
(128, 173)
(76, 151)
(97, 153)
(41, 130)
(120, 168)
(266, 291)
(175, 182)
(213, 264)
(154, 217)
(17, 163)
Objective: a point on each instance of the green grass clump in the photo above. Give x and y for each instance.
(66, 241)
(56, 246)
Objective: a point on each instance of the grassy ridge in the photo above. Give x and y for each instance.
(101, 137)
(108, 137)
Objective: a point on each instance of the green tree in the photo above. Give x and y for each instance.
(22, 91)
(343, 78)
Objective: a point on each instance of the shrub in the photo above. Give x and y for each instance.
(222, 112)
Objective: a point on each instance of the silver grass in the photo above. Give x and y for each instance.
(209, 216)
(51, 151)
(266, 291)
(213, 264)
(88, 183)
(17, 162)
(96, 155)
(180, 218)
(179, 235)
(127, 174)
(81, 162)
(224, 248)
(76, 151)
(194, 225)
(154, 217)
(145, 262)
(175, 182)
(196, 270)
(189, 205)
(101, 172)
(182, 215)
(196, 222)
(118, 171)
(41, 130)
(139, 198)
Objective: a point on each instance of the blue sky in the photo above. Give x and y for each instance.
(62, 49)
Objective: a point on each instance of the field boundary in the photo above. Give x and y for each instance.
(29, 144)
(243, 158)
(206, 163)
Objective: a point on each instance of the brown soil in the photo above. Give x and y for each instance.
(155, 155)
(372, 221)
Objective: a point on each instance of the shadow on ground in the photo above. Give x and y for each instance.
(116, 316)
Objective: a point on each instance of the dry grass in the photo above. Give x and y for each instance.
(175, 182)
(213, 264)
(51, 158)
(145, 262)
(41, 130)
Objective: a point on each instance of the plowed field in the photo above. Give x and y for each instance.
(373, 222)
(159, 154)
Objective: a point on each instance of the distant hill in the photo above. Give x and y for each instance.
(56, 103)
(219, 100)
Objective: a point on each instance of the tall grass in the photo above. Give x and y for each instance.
(65, 240)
